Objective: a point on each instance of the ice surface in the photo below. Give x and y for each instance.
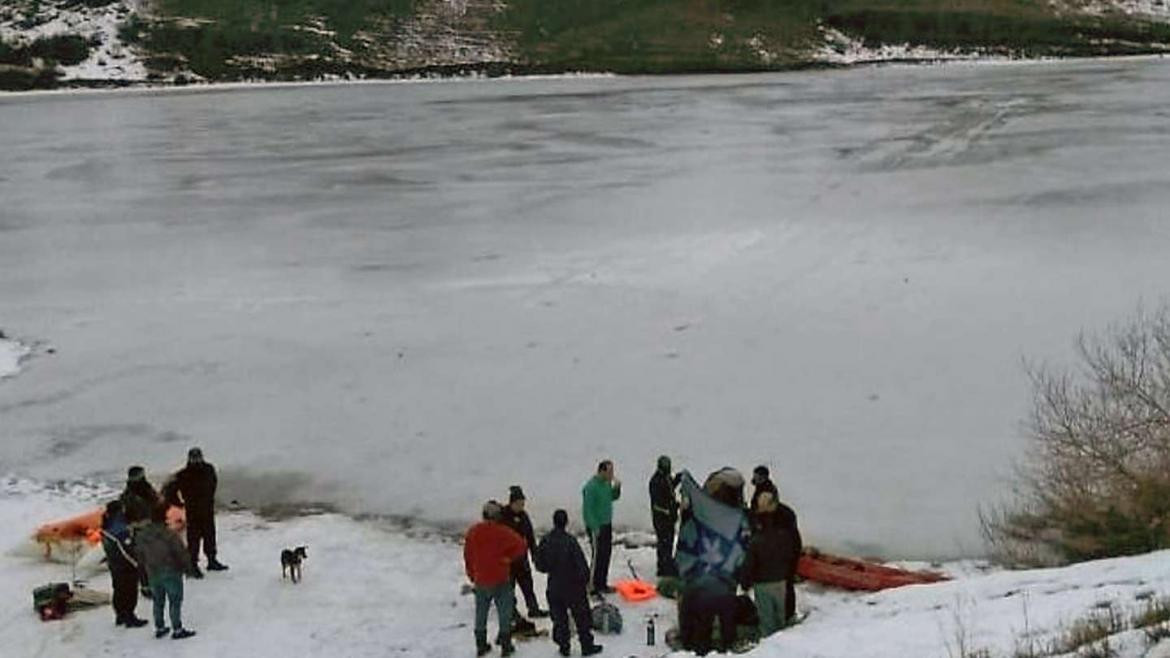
(403, 298)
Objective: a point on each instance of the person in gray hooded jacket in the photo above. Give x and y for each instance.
(166, 560)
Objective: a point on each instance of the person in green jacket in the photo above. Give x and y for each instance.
(597, 508)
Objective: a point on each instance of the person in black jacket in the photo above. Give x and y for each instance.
(785, 517)
(139, 499)
(196, 484)
(664, 512)
(771, 563)
(123, 567)
(560, 556)
(517, 519)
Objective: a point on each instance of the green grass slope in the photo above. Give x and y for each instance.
(285, 39)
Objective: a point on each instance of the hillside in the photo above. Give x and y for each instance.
(46, 43)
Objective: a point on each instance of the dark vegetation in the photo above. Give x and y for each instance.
(1097, 480)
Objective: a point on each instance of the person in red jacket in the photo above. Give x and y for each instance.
(489, 549)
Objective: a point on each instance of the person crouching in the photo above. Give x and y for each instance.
(560, 556)
(166, 560)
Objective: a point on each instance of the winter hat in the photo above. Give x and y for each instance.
(560, 519)
(664, 464)
(136, 474)
(195, 454)
(515, 493)
(761, 471)
(492, 510)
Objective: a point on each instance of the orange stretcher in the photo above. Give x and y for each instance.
(87, 528)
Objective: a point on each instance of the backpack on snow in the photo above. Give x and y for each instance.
(50, 601)
(607, 619)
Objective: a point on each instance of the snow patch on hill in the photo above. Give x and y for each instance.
(110, 59)
(840, 48)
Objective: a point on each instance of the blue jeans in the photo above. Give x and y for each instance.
(167, 587)
(505, 600)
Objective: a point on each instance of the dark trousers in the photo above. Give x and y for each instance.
(201, 528)
(125, 583)
(522, 574)
(664, 531)
(700, 608)
(560, 606)
(602, 544)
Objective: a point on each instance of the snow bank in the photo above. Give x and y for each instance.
(840, 48)
(12, 354)
(373, 590)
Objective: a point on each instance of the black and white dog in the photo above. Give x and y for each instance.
(290, 562)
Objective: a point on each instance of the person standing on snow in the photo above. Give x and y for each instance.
(489, 549)
(123, 567)
(784, 518)
(139, 499)
(664, 512)
(165, 559)
(597, 509)
(517, 519)
(196, 484)
(560, 556)
(771, 564)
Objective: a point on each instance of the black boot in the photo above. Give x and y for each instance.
(215, 565)
(482, 647)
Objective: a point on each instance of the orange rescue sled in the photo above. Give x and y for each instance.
(848, 573)
(635, 590)
(87, 529)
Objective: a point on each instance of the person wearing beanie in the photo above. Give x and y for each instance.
(560, 556)
(664, 512)
(515, 517)
(139, 499)
(489, 549)
(597, 497)
(195, 484)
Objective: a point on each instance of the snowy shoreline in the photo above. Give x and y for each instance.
(901, 60)
(369, 590)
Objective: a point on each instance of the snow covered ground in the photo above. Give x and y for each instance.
(373, 589)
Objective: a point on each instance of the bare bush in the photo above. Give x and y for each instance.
(1096, 481)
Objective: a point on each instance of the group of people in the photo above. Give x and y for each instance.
(145, 555)
(496, 558)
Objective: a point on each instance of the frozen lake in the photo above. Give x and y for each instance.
(402, 298)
